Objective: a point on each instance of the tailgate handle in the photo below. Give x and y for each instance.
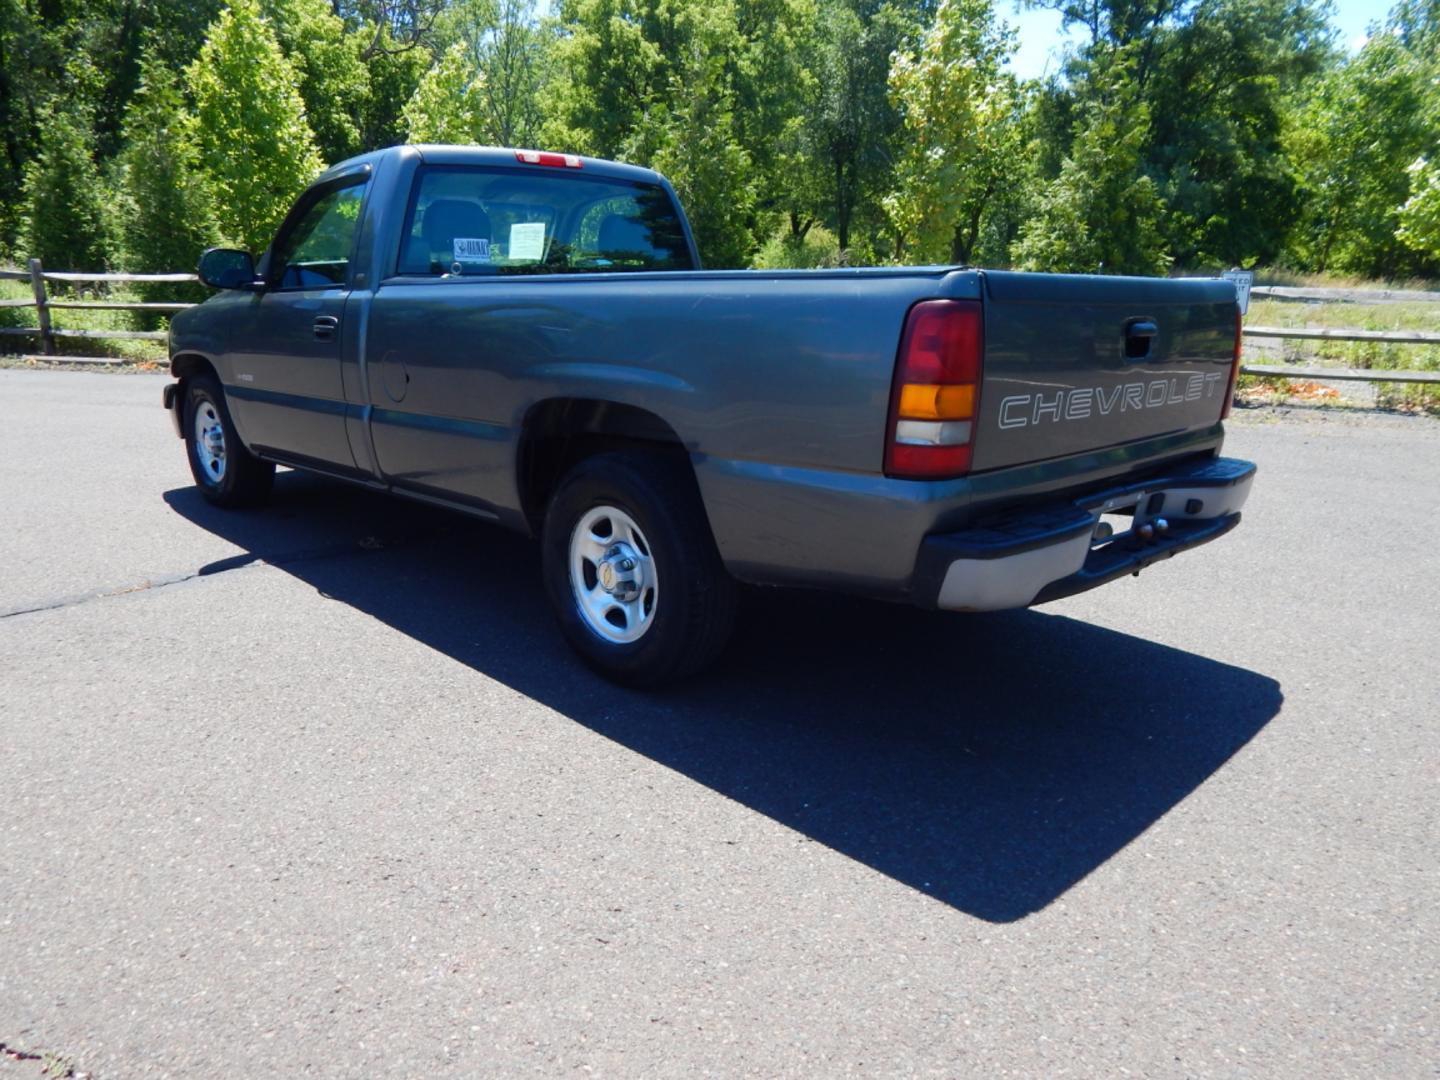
(1139, 335)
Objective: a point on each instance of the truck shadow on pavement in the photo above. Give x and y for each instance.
(990, 762)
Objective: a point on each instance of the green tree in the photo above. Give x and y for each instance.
(87, 54)
(654, 82)
(66, 224)
(610, 69)
(772, 91)
(960, 137)
(118, 34)
(33, 55)
(851, 124)
(334, 82)
(448, 106)
(1101, 213)
(256, 149)
(486, 86)
(696, 147)
(1120, 24)
(1215, 76)
(394, 75)
(90, 51)
(510, 47)
(1217, 97)
(168, 219)
(392, 27)
(1352, 142)
(1417, 24)
(1420, 216)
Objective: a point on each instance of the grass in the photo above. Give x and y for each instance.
(1278, 275)
(1368, 355)
(135, 351)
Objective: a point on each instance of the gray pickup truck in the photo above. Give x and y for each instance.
(528, 337)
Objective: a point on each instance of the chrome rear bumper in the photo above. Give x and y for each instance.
(1038, 555)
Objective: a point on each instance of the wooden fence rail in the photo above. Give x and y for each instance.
(1295, 371)
(37, 275)
(1311, 333)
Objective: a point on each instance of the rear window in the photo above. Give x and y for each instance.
(478, 221)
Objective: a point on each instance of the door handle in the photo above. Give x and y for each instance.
(1140, 334)
(325, 327)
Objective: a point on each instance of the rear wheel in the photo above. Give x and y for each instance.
(632, 571)
(225, 472)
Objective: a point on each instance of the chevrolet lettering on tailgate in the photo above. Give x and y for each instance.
(1020, 410)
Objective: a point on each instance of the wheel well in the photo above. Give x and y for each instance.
(187, 365)
(561, 431)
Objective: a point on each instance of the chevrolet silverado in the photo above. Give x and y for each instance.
(528, 337)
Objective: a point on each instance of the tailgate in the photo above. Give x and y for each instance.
(1077, 363)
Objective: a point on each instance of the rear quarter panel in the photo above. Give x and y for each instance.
(785, 369)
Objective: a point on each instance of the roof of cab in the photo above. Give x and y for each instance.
(437, 154)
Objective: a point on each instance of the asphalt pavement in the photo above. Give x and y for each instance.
(318, 791)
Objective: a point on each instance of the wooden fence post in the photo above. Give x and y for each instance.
(42, 307)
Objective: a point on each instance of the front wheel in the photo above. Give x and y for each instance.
(632, 571)
(225, 472)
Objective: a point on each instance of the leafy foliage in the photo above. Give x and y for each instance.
(447, 106)
(1353, 141)
(960, 134)
(510, 48)
(610, 67)
(654, 82)
(1102, 213)
(63, 197)
(786, 251)
(1184, 133)
(255, 147)
(1420, 216)
(333, 80)
(695, 145)
(1217, 110)
(851, 123)
(167, 215)
(394, 74)
(485, 87)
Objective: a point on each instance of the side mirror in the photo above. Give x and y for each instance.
(227, 268)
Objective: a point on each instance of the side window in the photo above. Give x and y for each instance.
(315, 253)
(496, 221)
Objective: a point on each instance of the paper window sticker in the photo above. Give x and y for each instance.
(472, 250)
(527, 240)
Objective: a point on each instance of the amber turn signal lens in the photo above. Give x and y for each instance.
(926, 401)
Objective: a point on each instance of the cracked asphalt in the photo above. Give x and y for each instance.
(318, 791)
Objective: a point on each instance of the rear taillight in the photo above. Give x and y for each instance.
(1234, 367)
(937, 391)
(544, 157)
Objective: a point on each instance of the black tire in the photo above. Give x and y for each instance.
(694, 601)
(244, 480)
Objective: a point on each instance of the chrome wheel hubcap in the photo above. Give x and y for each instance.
(210, 440)
(612, 575)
